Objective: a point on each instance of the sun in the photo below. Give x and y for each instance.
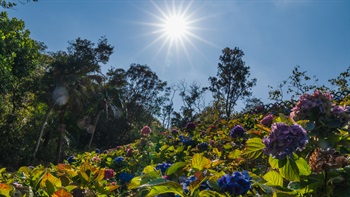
(175, 27)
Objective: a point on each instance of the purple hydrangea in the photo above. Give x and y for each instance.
(340, 113)
(267, 120)
(109, 173)
(237, 131)
(308, 102)
(125, 177)
(284, 140)
(174, 132)
(190, 126)
(163, 166)
(236, 184)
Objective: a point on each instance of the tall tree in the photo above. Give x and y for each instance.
(11, 4)
(70, 76)
(19, 57)
(232, 80)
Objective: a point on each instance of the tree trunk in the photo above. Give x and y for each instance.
(95, 124)
(48, 111)
(60, 138)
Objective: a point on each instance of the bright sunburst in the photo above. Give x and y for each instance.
(175, 28)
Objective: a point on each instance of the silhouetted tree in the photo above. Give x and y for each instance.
(342, 80)
(232, 80)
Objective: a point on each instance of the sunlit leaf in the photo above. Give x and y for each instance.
(5, 189)
(210, 193)
(303, 166)
(168, 187)
(200, 162)
(61, 193)
(254, 147)
(273, 178)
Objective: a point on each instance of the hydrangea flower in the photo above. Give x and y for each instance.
(174, 132)
(146, 130)
(308, 102)
(236, 184)
(267, 120)
(109, 173)
(284, 140)
(202, 146)
(186, 183)
(340, 113)
(237, 131)
(163, 166)
(125, 177)
(190, 126)
(187, 141)
(71, 159)
(118, 159)
(97, 151)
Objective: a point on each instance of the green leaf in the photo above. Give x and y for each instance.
(234, 154)
(254, 147)
(290, 171)
(273, 178)
(168, 187)
(135, 182)
(200, 162)
(175, 167)
(206, 193)
(303, 166)
(148, 169)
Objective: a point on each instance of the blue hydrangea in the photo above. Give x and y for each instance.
(237, 131)
(187, 183)
(125, 177)
(202, 146)
(97, 151)
(236, 184)
(284, 140)
(187, 141)
(118, 159)
(71, 159)
(163, 166)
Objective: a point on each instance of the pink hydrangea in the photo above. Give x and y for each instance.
(146, 130)
(109, 173)
(308, 103)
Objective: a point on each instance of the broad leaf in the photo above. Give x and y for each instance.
(62, 193)
(303, 166)
(175, 167)
(168, 187)
(206, 193)
(273, 178)
(254, 147)
(200, 162)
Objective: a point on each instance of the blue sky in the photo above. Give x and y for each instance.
(275, 35)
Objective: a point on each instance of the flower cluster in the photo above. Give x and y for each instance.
(97, 151)
(284, 140)
(237, 131)
(267, 120)
(187, 141)
(109, 173)
(163, 166)
(186, 183)
(321, 160)
(118, 159)
(341, 113)
(71, 159)
(174, 132)
(146, 130)
(125, 177)
(202, 146)
(236, 184)
(308, 102)
(190, 126)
